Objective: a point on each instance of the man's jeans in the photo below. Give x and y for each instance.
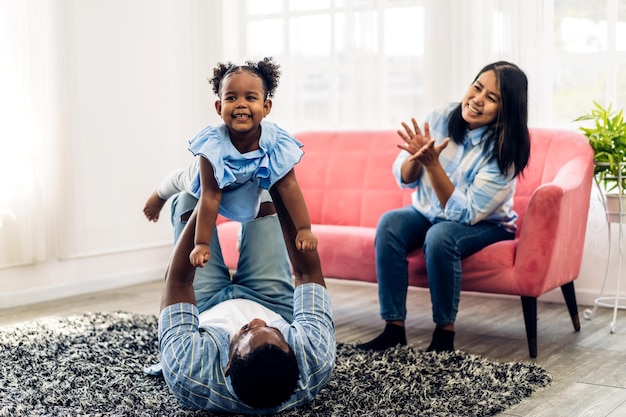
(263, 272)
(401, 231)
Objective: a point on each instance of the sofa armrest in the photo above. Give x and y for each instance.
(551, 242)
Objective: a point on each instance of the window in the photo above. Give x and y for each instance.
(27, 162)
(338, 57)
(374, 63)
(589, 56)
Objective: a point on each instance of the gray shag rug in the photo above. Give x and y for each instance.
(91, 365)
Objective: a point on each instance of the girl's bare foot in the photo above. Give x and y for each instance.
(153, 207)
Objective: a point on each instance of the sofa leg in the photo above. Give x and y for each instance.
(529, 307)
(570, 300)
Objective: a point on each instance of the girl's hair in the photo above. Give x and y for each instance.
(507, 136)
(266, 69)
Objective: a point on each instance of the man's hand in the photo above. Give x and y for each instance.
(306, 241)
(200, 255)
(180, 272)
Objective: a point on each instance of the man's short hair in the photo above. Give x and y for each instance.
(266, 377)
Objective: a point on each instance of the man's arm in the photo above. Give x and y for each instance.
(306, 265)
(180, 272)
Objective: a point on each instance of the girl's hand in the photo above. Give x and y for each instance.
(200, 255)
(306, 241)
(413, 138)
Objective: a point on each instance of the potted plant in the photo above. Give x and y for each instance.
(607, 137)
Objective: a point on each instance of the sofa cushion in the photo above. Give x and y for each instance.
(346, 177)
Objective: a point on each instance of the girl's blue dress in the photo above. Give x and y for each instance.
(242, 177)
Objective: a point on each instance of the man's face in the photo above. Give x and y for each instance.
(252, 336)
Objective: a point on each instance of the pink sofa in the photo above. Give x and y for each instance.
(347, 183)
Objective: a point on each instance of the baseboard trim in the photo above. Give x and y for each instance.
(139, 276)
(54, 292)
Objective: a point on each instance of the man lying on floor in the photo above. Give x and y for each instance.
(251, 344)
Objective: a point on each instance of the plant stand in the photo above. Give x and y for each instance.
(615, 301)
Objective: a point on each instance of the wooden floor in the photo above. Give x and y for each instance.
(588, 368)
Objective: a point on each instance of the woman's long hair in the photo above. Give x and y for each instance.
(507, 136)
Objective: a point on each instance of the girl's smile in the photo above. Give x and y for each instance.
(242, 104)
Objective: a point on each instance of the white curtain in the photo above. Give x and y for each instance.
(371, 64)
(29, 130)
(464, 36)
(347, 64)
(523, 34)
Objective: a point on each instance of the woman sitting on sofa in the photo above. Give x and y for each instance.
(463, 165)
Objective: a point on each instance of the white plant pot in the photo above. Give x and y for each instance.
(613, 208)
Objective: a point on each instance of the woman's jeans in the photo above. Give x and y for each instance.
(445, 243)
(263, 272)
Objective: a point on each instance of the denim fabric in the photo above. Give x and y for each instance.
(263, 273)
(444, 243)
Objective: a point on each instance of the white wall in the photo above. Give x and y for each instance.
(133, 86)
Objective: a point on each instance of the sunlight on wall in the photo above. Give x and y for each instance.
(17, 133)
(586, 35)
(18, 124)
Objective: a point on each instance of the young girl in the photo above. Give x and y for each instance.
(463, 165)
(239, 159)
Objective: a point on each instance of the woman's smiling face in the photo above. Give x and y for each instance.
(482, 100)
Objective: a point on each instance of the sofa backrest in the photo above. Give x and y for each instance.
(346, 177)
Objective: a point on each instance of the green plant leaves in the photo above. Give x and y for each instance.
(607, 137)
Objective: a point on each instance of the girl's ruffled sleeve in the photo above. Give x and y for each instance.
(281, 158)
(209, 144)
